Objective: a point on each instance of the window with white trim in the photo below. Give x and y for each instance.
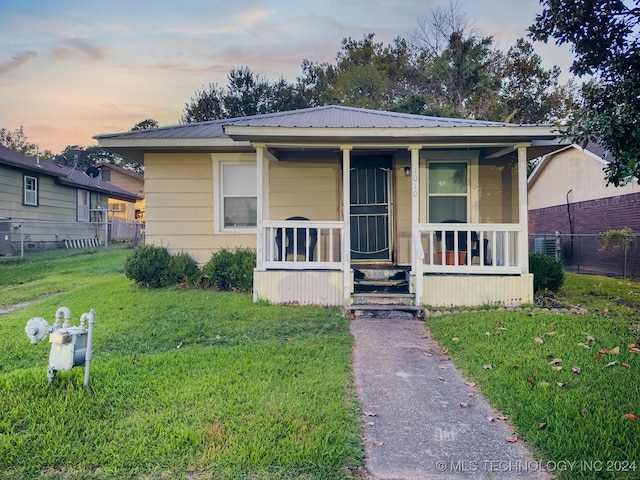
(448, 191)
(84, 202)
(239, 199)
(30, 191)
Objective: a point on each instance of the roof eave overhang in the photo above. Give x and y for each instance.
(135, 148)
(426, 135)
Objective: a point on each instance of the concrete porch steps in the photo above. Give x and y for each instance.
(382, 289)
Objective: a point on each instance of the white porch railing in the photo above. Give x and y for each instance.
(468, 248)
(300, 245)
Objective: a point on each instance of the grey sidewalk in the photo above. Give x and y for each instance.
(415, 426)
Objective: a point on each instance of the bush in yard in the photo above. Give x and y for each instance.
(231, 270)
(548, 273)
(183, 268)
(148, 265)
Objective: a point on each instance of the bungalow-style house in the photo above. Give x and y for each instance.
(568, 194)
(346, 205)
(50, 205)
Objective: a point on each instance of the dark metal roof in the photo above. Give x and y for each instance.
(63, 175)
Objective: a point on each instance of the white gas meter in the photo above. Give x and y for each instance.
(70, 346)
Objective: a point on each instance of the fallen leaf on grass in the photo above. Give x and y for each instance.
(634, 348)
(584, 411)
(557, 368)
(179, 345)
(488, 334)
(550, 334)
(575, 369)
(377, 444)
(538, 340)
(555, 361)
(445, 350)
(590, 338)
(610, 364)
(512, 439)
(580, 344)
(541, 425)
(487, 366)
(543, 384)
(597, 356)
(455, 339)
(613, 350)
(470, 384)
(625, 365)
(560, 384)
(630, 416)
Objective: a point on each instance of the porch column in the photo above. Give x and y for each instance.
(416, 268)
(523, 214)
(346, 213)
(262, 201)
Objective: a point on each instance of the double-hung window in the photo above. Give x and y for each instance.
(448, 191)
(30, 191)
(84, 202)
(239, 196)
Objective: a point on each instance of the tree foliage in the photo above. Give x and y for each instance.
(604, 36)
(17, 140)
(145, 125)
(443, 68)
(246, 94)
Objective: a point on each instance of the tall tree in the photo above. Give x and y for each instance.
(604, 35)
(529, 93)
(245, 94)
(464, 80)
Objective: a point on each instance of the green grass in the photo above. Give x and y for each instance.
(582, 412)
(184, 383)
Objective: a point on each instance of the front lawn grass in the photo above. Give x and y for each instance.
(558, 376)
(184, 383)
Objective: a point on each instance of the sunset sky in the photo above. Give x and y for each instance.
(71, 69)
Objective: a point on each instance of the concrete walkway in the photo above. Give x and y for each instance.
(415, 426)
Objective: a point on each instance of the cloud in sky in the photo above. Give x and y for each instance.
(71, 69)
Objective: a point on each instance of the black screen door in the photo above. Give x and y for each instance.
(371, 209)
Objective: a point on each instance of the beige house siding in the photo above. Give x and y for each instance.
(181, 188)
(575, 170)
(498, 192)
(310, 190)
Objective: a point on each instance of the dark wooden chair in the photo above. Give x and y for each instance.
(300, 245)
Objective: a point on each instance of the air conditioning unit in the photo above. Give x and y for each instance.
(548, 245)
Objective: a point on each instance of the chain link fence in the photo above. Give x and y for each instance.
(34, 239)
(583, 253)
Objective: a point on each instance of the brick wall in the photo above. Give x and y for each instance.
(592, 217)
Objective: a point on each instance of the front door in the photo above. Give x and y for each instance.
(371, 209)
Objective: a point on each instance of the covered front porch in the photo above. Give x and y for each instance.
(459, 245)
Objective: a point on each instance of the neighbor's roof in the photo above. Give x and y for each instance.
(124, 171)
(63, 175)
(329, 124)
